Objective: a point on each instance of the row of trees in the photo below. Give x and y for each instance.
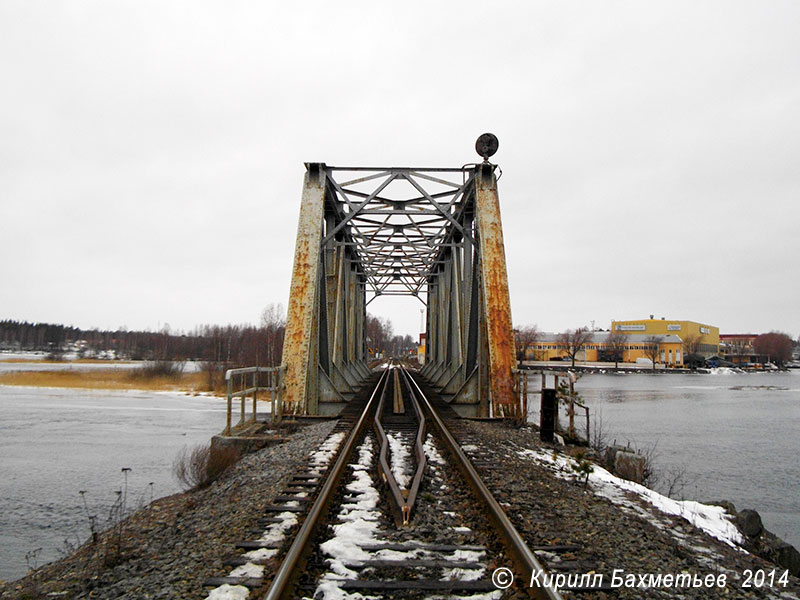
(225, 346)
(381, 338)
(229, 345)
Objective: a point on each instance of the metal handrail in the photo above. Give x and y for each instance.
(275, 379)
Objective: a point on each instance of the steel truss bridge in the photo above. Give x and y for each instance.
(431, 233)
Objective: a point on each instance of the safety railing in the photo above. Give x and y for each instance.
(567, 401)
(248, 382)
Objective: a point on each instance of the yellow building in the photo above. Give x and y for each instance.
(548, 347)
(696, 337)
(421, 349)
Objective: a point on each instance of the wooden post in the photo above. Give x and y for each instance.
(255, 393)
(555, 387)
(571, 409)
(275, 390)
(524, 397)
(588, 439)
(230, 408)
(279, 397)
(241, 403)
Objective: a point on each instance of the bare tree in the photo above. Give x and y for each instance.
(652, 348)
(573, 341)
(273, 323)
(615, 346)
(526, 337)
(776, 346)
(691, 343)
(379, 332)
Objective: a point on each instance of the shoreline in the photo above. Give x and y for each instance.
(631, 369)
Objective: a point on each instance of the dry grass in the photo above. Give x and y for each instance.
(44, 361)
(106, 379)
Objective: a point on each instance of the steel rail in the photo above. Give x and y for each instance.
(526, 560)
(280, 586)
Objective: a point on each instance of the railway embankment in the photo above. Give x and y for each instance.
(170, 548)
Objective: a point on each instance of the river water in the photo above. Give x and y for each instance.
(56, 442)
(736, 436)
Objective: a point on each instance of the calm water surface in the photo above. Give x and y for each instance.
(737, 435)
(56, 442)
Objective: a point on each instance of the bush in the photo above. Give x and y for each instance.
(160, 368)
(201, 466)
(215, 374)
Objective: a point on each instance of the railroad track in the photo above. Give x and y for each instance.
(390, 506)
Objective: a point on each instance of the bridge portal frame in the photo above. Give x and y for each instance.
(431, 233)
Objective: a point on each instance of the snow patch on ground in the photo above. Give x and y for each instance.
(723, 371)
(711, 519)
(277, 531)
(400, 458)
(260, 554)
(463, 574)
(327, 450)
(229, 592)
(248, 570)
(432, 452)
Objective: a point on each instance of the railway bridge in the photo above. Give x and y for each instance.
(431, 233)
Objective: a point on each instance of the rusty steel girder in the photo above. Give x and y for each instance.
(303, 297)
(496, 299)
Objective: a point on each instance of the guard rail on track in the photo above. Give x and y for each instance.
(404, 499)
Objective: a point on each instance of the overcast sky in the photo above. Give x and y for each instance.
(151, 153)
